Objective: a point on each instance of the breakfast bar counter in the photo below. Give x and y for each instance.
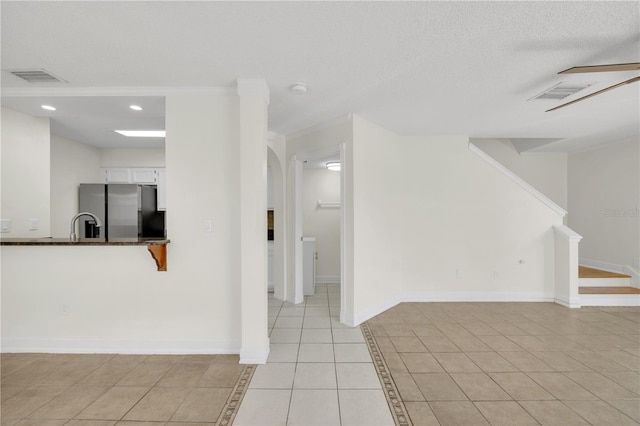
(157, 246)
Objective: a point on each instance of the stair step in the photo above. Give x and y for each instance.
(586, 272)
(604, 288)
(591, 277)
(609, 290)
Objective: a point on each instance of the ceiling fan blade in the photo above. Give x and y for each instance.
(632, 66)
(631, 80)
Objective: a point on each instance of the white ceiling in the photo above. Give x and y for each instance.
(93, 119)
(413, 67)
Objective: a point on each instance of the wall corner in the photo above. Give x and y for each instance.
(253, 87)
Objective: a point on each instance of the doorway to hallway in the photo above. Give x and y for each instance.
(317, 221)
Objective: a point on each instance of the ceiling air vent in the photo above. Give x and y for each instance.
(561, 90)
(37, 76)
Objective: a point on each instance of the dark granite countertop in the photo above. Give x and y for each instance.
(83, 242)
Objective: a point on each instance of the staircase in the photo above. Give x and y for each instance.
(603, 288)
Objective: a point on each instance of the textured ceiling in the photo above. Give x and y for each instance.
(413, 67)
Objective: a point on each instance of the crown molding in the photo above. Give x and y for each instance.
(273, 136)
(320, 126)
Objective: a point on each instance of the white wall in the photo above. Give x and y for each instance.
(269, 188)
(323, 223)
(132, 157)
(25, 173)
(378, 243)
(72, 163)
(322, 140)
(112, 299)
(545, 171)
(203, 160)
(276, 155)
(604, 188)
(425, 207)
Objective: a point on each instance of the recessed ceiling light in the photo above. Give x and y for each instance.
(135, 107)
(334, 166)
(142, 133)
(48, 107)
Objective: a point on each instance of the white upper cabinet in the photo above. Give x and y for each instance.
(143, 176)
(118, 175)
(162, 189)
(131, 175)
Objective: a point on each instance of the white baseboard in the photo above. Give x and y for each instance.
(255, 355)
(450, 297)
(567, 303)
(477, 297)
(328, 279)
(120, 346)
(345, 319)
(614, 267)
(603, 266)
(371, 312)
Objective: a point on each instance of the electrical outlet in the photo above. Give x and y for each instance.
(33, 224)
(208, 225)
(459, 274)
(496, 275)
(65, 309)
(5, 225)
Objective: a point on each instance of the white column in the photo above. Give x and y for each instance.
(254, 98)
(566, 266)
(298, 295)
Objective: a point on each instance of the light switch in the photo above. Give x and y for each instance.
(208, 225)
(5, 225)
(33, 224)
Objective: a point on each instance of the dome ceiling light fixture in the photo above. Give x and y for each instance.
(334, 166)
(298, 89)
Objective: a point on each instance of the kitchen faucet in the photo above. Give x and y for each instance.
(73, 236)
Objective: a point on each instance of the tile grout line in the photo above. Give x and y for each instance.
(231, 407)
(322, 311)
(556, 370)
(390, 390)
(295, 368)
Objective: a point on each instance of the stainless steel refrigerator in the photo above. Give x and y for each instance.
(126, 210)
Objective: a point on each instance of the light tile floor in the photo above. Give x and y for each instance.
(453, 364)
(319, 371)
(123, 390)
(513, 363)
